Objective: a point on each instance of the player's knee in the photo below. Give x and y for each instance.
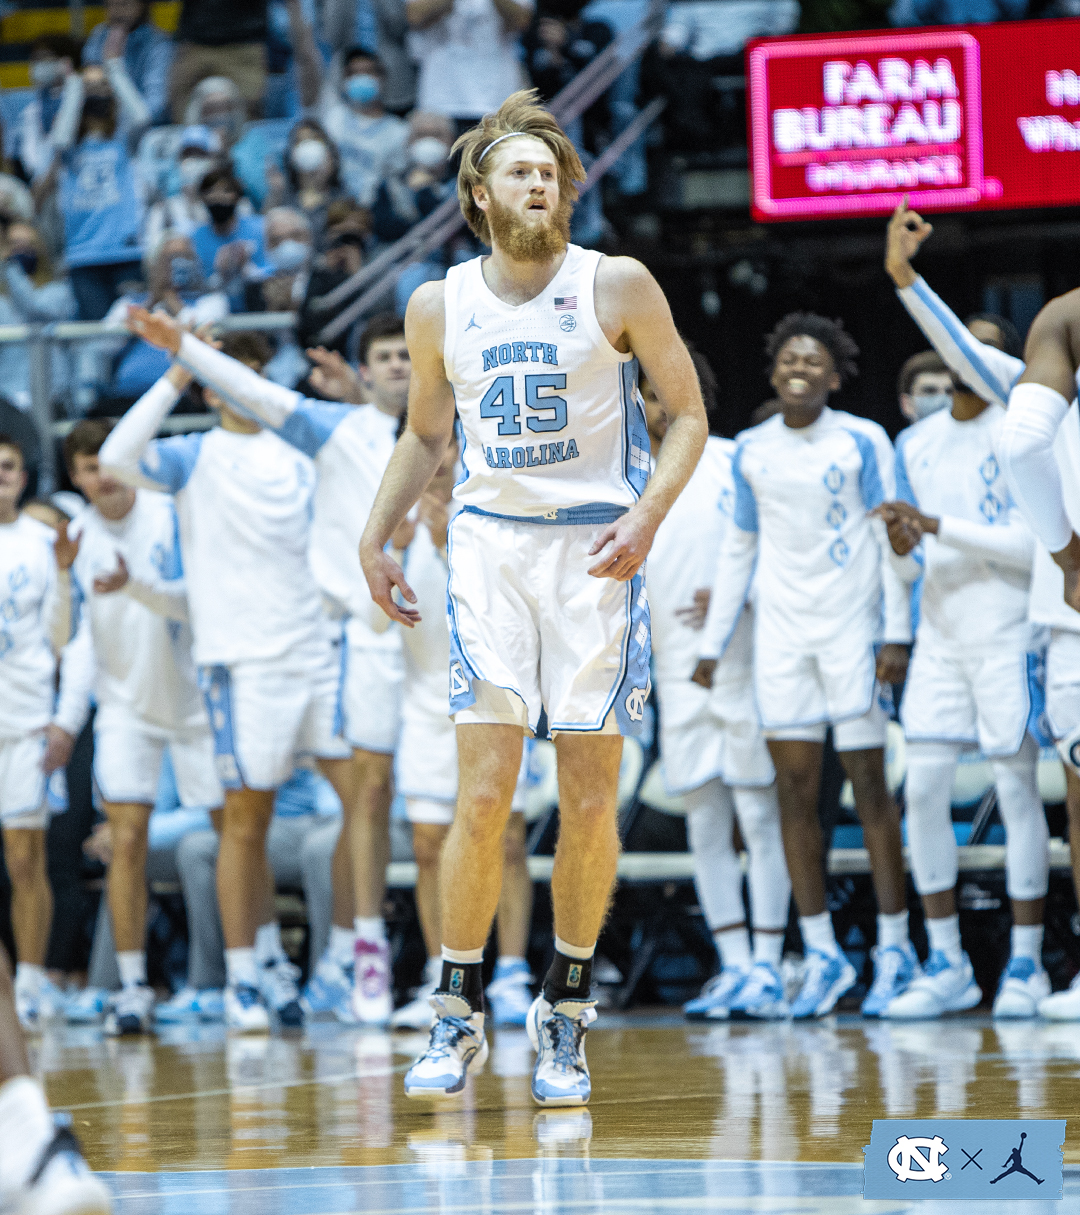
(592, 813)
(25, 860)
(427, 847)
(246, 831)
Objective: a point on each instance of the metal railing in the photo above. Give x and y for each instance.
(377, 278)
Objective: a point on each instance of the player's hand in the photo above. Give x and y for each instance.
(98, 844)
(704, 672)
(622, 547)
(383, 574)
(333, 377)
(106, 584)
(157, 328)
(694, 617)
(59, 745)
(115, 42)
(892, 663)
(906, 232)
(65, 547)
(904, 526)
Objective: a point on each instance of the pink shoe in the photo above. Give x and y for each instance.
(372, 1000)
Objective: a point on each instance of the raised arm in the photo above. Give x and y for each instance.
(988, 371)
(418, 453)
(130, 101)
(628, 297)
(309, 63)
(1037, 406)
(131, 453)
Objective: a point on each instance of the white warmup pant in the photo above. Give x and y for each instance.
(712, 810)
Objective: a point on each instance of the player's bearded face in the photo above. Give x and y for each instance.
(533, 240)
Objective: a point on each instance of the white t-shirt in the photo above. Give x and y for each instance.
(469, 62)
(244, 507)
(977, 569)
(143, 661)
(683, 560)
(801, 512)
(27, 601)
(371, 149)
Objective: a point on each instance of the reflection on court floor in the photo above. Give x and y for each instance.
(769, 1118)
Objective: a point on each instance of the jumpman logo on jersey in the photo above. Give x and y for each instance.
(1016, 1165)
(472, 324)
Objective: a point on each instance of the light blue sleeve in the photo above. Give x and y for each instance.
(745, 514)
(311, 424)
(904, 491)
(169, 463)
(871, 486)
(165, 555)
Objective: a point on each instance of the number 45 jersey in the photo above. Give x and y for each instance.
(554, 427)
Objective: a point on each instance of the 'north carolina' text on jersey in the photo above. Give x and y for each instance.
(554, 427)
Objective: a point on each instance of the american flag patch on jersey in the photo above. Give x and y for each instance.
(565, 303)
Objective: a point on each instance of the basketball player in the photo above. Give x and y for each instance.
(243, 500)
(711, 744)
(955, 525)
(427, 776)
(35, 623)
(350, 446)
(536, 347)
(805, 481)
(137, 663)
(1041, 459)
(979, 355)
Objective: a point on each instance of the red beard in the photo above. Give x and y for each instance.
(525, 242)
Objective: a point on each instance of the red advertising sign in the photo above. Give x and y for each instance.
(957, 118)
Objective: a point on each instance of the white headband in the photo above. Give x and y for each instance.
(510, 135)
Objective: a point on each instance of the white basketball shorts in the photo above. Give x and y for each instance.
(266, 713)
(529, 628)
(1063, 682)
(22, 782)
(128, 755)
(371, 696)
(800, 693)
(711, 733)
(972, 699)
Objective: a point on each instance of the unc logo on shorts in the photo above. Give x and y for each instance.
(459, 685)
(635, 703)
(907, 1161)
(567, 323)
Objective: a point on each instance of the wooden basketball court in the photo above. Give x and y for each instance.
(727, 1117)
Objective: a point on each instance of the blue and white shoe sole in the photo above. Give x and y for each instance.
(967, 1000)
(475, 1063)
(773, 1010)
(560, 1099)
(828, 1002)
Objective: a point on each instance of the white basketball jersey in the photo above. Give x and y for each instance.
(554, 426)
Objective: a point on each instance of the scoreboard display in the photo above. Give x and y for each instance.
(955, 117)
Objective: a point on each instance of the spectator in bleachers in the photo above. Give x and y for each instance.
(290, 247)
(559, 43)
(340, 254)
(177, 283)
(955, 12)
(184, 211)
(342, 29)
(311, 182)
(128, 33)
(94, 135)
(216, 103)
(704, 39)
(31, 295)
(349, 103)
(230, 246)
(15, 199)
(218, 38)
(52, 60)
(469, 52)
(409, 195)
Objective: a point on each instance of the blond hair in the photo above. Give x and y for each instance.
(519, 114)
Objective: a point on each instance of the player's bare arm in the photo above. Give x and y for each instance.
(635, 317)
(418, 453)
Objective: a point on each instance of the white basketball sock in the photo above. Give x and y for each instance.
(370, 928)
(268, 947)
(734, 947)
(944, 935)
(1027, 942)
(240, 967)
(817, 933)
(342, 945)
(132, 967)
(26, 1128)
(892, 929)
(768, 947)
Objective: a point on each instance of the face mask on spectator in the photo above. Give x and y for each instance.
(221, 212)
(362, 89)
(309, 155)
(288, 256)
(429, 152)
(45, 73)
(930, 402)
(184, 272)
(193, 169)
(26, 258)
